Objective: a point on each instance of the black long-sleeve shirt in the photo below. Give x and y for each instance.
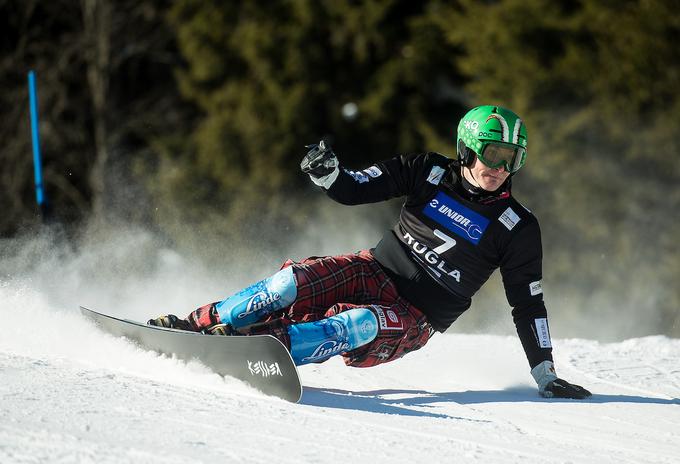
(449, 240)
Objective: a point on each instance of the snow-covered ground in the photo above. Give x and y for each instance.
(69, 393)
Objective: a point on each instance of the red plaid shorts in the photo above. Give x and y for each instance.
(330, 285)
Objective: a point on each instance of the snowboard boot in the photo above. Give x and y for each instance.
(171, 322)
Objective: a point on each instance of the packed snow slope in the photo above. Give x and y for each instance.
(70, 393)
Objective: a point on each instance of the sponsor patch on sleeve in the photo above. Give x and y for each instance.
(388, 319)
(436, 175)
(535, 288)
(543, 333)
(509, 218)
(358, 176)
(373, 171)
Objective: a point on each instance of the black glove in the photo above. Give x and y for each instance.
(550, 386)
(220, 329)
(170, 322)
(559, 388)
(319, 161)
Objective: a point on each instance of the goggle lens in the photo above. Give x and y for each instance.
(496, 155)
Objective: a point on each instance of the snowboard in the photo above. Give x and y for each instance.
(261, 361)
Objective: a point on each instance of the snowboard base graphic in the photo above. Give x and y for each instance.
(262, 361)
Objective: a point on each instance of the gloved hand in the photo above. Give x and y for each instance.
(320, 161)
(550, 386)
(170, 322)
(220, 329)
(559, 388)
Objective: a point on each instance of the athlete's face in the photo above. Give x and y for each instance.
(481, 175)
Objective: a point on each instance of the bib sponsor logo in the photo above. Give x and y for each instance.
(509, 218)
(264, 369)
(259, 301)
(436, 175)
(543, 333)
(388, 320)
(456, 218)
(438, 265)
(535, 288)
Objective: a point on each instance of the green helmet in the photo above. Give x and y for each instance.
(496, 135)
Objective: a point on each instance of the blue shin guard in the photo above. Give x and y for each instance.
(266, 296)
(319, 340)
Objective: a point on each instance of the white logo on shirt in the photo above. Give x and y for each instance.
(436, 174)
(509, 218)
(358, 176)
(373, 171)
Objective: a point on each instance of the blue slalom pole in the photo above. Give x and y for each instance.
(35, 138)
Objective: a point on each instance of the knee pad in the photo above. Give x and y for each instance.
(266, 296)
(317, 341)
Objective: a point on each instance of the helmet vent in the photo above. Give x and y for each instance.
(515, 131)
(505, 135)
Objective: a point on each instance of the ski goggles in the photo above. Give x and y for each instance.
(495, 154)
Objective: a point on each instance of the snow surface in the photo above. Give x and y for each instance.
(69, 393)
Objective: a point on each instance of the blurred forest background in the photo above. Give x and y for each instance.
(190, 118)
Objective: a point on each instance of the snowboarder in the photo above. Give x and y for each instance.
(459, 223)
